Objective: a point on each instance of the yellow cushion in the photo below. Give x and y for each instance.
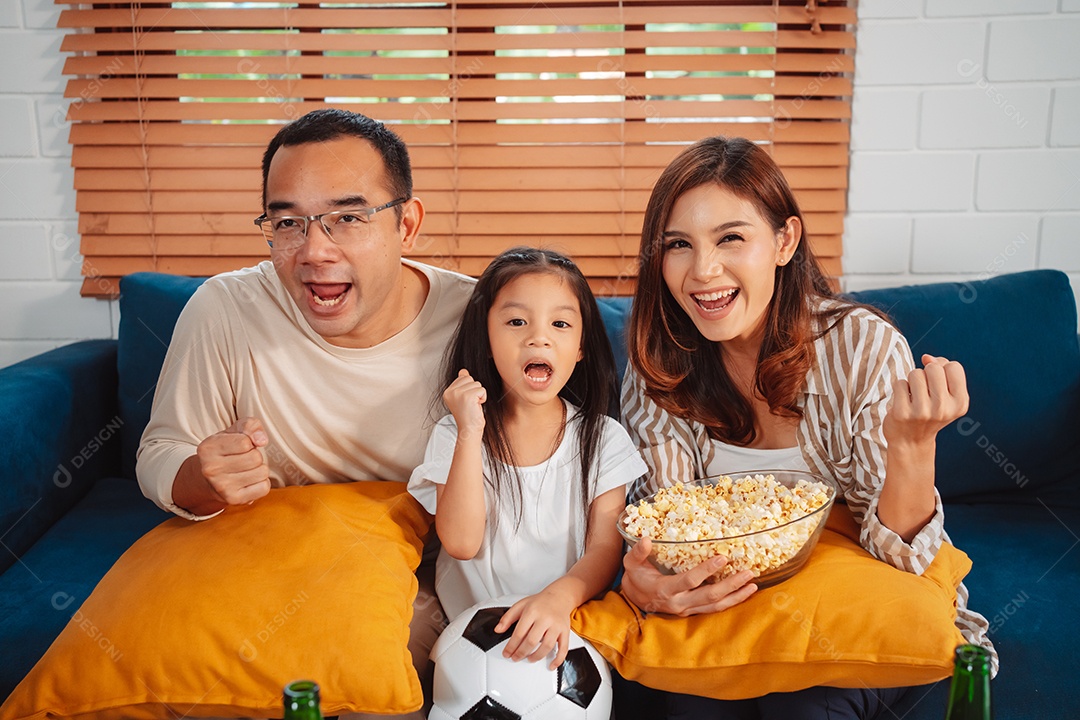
(846, 620)
(213, 618)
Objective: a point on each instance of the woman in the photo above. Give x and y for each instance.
(741, 358)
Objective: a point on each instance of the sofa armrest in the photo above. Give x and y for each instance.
(59, 426)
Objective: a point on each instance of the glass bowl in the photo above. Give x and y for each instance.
(774, 553)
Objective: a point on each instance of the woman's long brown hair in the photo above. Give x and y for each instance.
(683, 372)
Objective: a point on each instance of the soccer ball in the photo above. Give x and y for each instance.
(473, 681)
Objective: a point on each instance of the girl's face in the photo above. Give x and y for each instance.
(535, 330)
(719, 262)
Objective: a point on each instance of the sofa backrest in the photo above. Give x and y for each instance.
(1015, 334)
(150, 304)
(616, 312)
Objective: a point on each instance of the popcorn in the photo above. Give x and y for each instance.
(692, 523)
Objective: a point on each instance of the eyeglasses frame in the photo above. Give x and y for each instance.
(308, 219)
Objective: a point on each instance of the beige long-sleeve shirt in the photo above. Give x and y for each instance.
(242, 348)
(840, 436)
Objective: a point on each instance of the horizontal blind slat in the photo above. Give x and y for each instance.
(533, 200)
(419, 16)
(483, 43)
(297, 89)
(370, 64)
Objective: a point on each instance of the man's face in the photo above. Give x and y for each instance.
(350, 293)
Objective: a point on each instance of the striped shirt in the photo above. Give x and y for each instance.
(840, 436)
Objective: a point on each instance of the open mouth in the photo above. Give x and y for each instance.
(538, 372)
(328, 295)
(715, 300)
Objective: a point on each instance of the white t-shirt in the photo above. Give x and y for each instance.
(523, 559)
(242, 348)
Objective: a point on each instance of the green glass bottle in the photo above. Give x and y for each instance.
(969, 693)
(301, 699)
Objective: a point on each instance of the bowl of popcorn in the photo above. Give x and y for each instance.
(765, 521)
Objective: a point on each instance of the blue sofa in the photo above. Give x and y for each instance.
(70, 420)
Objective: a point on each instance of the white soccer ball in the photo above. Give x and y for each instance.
(473, 681)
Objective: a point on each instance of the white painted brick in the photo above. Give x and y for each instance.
(988, 244)
(855, 283)
(884, 119)
(902, 53)
(33, 62)
(64, 245)
(877, 244)
(955, 8)
(905, 182)
(17, 138)
(1059, 243)
(986, 116)
(114, 317)
(13, 351)
(1029, 180)
(9, 14)
(1041, 49)
(53, 127)
(25, 251)
(51, 311)
(1070, 5)
(40, 13)
(36, 190)
(1065, 126)
(871, 9)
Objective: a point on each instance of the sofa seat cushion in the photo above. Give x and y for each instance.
(1025, 581)
(39, 594)
(1025, 570)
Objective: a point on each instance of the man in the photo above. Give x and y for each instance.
(321, 364)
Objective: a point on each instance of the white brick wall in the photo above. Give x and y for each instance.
(39, 246)
(965, 145)
(965, 156)
(1064, 128)
(957, 8)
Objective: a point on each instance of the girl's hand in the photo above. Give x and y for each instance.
(927, 401)
(464, 399)
(543, 623)
(684, 593)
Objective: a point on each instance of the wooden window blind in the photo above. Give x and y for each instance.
(538, 123)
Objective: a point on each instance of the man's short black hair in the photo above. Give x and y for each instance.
(332, 123)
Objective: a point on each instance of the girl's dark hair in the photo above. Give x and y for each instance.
(593, 386)
(683, 372)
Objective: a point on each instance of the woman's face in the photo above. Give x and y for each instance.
(719, 262)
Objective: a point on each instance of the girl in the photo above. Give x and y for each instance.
(526, 476)
(741, 357)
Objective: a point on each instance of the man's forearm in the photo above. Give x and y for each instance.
(192, 492)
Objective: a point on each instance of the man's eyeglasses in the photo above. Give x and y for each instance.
(287, 232)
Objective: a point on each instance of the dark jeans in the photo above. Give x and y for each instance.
(816, 703)
(634, 702)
